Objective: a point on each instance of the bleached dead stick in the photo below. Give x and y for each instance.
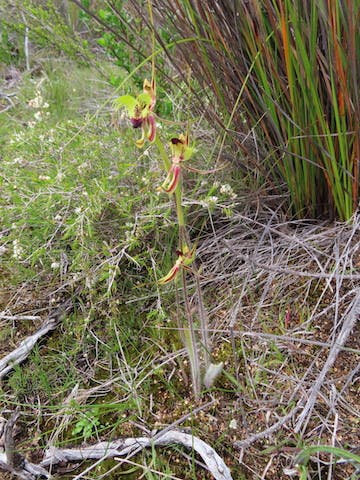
(10, 460)
(22, 351)
(18, 317)
(130, 446)
(18, 355)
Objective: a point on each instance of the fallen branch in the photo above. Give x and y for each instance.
(18, 355)
(130, 446)
(10, 460)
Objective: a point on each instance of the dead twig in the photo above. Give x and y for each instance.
(290, 271)
(350, 319)
(241, 444)
(18, 355)
(130, 446)
(10, 460)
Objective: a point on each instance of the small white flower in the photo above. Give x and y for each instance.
(82, 167)
(44, 177)
(225, 188)
(55, 265)
(233, 424)
(18, 161)
(17, 249)
(78, 210)
(213, 199)
(35, 102)
(38, 116)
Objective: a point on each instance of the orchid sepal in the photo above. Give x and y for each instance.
(172, 180)
(172, 274)
(186, 257)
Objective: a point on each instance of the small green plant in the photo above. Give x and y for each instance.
(303, 458)
(87, 426)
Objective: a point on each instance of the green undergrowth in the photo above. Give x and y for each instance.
(81, 219)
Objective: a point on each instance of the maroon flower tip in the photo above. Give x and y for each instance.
(136, 122)
(175, 141)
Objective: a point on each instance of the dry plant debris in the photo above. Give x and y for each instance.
(285, 323)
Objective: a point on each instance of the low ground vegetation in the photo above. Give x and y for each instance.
(84, 238)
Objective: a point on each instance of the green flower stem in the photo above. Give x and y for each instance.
(163, 154)
(189, 333)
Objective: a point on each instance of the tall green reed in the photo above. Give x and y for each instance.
(301, 96)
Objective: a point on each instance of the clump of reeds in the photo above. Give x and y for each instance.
(290, 70)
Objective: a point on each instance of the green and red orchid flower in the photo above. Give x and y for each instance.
(140, 110)
(186, 256)
(180, 152)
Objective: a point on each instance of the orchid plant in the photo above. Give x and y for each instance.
(140, 111)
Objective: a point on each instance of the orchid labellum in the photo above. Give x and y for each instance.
(185, 258)
(180, 151)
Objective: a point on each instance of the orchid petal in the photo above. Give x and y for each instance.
(171, 275)
(180, 147)
(188, 152)
(150, 89)
(152, 128)
(140, 143)
(189, 256)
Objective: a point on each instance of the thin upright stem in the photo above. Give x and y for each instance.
(190, 340)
